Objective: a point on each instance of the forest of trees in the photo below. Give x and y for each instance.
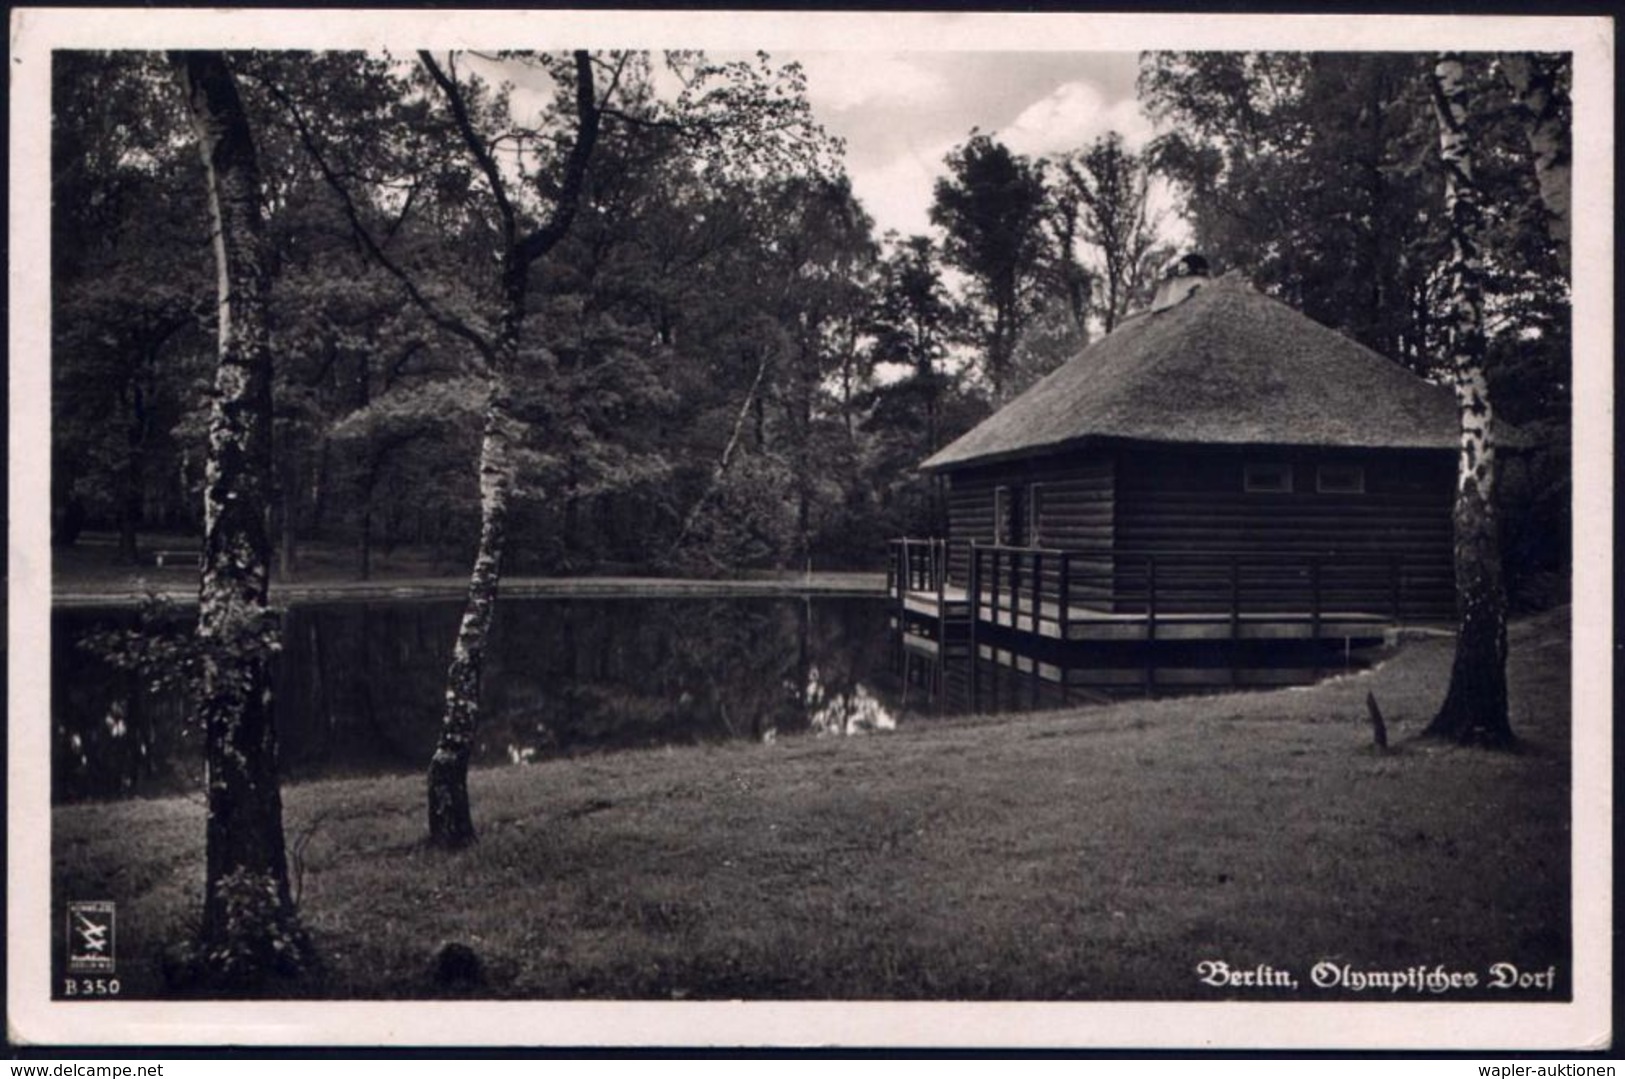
(730, 369)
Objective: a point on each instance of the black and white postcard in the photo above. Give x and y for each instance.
(720, 529)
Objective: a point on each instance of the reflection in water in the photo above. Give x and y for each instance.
(359, 685)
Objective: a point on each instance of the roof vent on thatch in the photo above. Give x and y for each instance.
(1183, 276)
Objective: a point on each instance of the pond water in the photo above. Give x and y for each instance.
(359, 686)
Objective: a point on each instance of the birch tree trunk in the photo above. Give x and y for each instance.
(249, 926)
(131, 475)
(721, 470)
(451, 823)
(1475, 707)
(450, 820)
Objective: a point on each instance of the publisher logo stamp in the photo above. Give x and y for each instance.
(90, 938)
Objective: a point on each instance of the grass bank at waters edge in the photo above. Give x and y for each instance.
(1094, 853)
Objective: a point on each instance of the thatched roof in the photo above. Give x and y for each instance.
(1227, 366)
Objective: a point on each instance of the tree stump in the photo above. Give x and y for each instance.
(1379, 729)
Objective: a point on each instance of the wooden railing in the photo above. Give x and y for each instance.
(917, 565)
(1032, 589)
(1014, 584)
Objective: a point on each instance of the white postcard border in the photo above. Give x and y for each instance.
(33, 1018)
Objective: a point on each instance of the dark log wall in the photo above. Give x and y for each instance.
(1194, 503)
(970, 520)
(1183, 504)
(1075, 513)
(1074, 507)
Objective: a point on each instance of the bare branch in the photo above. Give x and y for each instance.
(544, 239)
(644, 121)
(406, 210)
(615, 76)
(440, 317)
(476, 146)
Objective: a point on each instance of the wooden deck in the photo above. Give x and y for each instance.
(1086, 623)
(1049, 595)
(1148, 677)
(1057, 619)
(1111, 678)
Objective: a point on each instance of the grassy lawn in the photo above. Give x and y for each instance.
(1093, 853)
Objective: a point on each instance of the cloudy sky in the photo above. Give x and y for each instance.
(900, 113)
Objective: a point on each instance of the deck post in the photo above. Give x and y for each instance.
(1015, 589)
(1150, 622)
(1314, 612)
(1014, 583)
(993, 600)
(1150, 597)
(1064, 596)
(902, 565)
(1235, 598)
(1235, 619)
(1038, 592)
(974, 587)
(1396, 585)
(939, 557)
(1314, 599)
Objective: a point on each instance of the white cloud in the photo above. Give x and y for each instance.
(1072, 116)
(531, 88)
(896, 190)
(897, 193)
(842, 81)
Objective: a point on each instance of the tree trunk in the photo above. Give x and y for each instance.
(132, 480)
(364, 540)
(570, 530)
(804, 420)
(998, 360)
(287, 548)
(721, 470)
(318, 495)
(931, 417)
(450, 821)
(249, 927)
(1475, 707)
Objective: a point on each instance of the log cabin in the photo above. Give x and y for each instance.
(1220, 466)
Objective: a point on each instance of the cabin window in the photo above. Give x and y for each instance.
(1035, 494)
(1270, 479)
(1340, 480)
